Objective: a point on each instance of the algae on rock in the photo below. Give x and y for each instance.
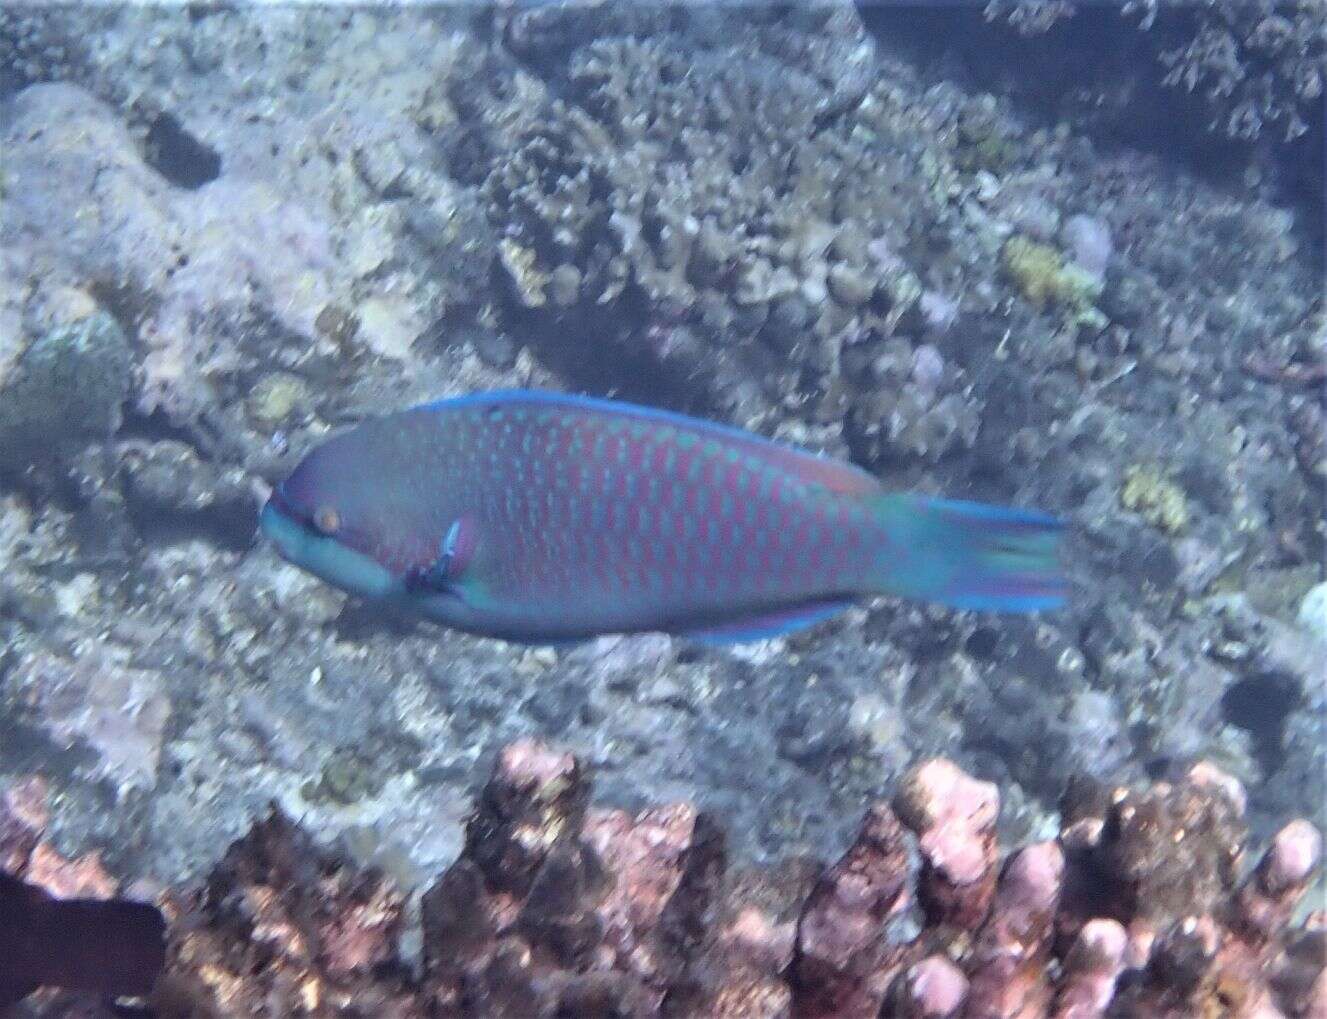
(65, 391)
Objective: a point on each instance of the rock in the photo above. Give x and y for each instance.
(931, 989)
(536, 799)
(627, 915)
(1313, 612)
(1158, 499)
(287, 926)
(169, 477)
(1088, 240)
(1007, 966)
(528, 280)
(850, 287)
(66, 390)
(277, 397)
(953, 817)
(119, 711)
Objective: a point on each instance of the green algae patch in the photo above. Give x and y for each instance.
(275, 397)
(1044, 277)
(65, 391)
(346, 778)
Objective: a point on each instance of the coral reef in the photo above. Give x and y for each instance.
(274, 222)
(559, 908)
(762, 244)
(1261, 67)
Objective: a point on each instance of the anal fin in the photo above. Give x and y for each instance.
(764, 625)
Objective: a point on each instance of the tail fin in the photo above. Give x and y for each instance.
(971, 556)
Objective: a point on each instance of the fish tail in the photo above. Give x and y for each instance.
(969, 555)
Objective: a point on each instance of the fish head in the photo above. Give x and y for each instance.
(342, 516)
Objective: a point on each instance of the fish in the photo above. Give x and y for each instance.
(111, 947)
(545, 518)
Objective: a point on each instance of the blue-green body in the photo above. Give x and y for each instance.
(538, 517)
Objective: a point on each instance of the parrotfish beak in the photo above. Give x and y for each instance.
(324, 556)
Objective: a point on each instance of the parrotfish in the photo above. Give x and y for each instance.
(544, 518)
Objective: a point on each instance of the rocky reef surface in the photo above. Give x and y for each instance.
(1146, 904)
(229, 230)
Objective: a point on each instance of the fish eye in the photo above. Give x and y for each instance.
(326, 520)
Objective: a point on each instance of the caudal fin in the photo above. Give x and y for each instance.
(971, 556)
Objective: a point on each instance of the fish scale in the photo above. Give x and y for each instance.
(535, 516)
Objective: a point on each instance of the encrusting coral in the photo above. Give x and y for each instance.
(559, 908)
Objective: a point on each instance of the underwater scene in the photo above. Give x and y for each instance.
(706, 509)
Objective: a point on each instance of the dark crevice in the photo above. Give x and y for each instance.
(595, 352)
(154, 427)
(360, 621)
(206, 434)
(178, 156)
(25, 749)
(1259, 704)
(1099, 71)
(229, 527)
(12, 82)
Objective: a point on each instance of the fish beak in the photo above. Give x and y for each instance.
(324, 556)
(280, 528)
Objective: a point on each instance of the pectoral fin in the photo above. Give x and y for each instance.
(455, 552)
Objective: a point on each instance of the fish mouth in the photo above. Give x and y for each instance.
(324, 556)
(280, 526)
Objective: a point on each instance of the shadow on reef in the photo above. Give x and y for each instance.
(617, 352)
(1141, 906)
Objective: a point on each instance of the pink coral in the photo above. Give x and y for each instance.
(556, 908)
